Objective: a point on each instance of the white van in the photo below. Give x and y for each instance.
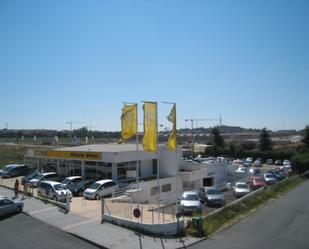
(101, 188)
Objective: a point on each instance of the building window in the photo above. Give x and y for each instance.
(166, 187)
(154, 166)
(154, 190)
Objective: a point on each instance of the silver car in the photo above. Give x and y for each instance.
(270, 178)
(241, 189)
(190, 202)
(8, 206)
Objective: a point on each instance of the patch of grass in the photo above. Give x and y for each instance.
(212, 223)
(11, 154)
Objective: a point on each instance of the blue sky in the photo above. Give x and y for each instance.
(80, 60)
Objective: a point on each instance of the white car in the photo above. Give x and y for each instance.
(53, 190)
(241, 170)
(101, 188)
(241, 189)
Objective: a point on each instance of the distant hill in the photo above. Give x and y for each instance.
(223, 129)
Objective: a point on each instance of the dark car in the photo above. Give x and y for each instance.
(278, 162)
(78, 188)
(211, 196)
(278, 174)
(14, 170)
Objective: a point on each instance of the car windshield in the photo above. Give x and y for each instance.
(65, 181)
(94, 185)
(213, 192)
(33, 174)
(241, 185)
(269, 175)
(190, 197)
(38, 176)
(59, 187)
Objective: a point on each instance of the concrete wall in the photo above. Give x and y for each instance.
(169, 162)
(172, 228)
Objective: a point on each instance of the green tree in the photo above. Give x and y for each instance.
(306, 136)
(218, 140)
(265, 142)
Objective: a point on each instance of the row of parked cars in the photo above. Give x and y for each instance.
(50, 185)
(53, 186)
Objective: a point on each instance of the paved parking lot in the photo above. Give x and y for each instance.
(92, 208)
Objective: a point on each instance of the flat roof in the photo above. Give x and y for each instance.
(103, 148)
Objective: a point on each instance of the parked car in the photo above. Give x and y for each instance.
(289, 169)
(257, 163)
(270, 178)
(241, 189)
(278, 162)
(211, 196)
(257, 182)
(249, 159)
(99, 189)
(70, 181)
(241, 170)
(27, 178)
(79, 188)
(53, 190)
(190, 202)
(269, 161)
(254, 171)
(8, 206)
(286, 162)
(278, 174)
(284, 171)
(42, 177)
(13, 170)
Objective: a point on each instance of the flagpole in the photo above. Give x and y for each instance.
(137, 165)
(158, 168)
(158, 161)
(176, 158)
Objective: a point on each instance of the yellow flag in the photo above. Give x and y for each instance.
(128, 122)
(150, 127)
(172, 142)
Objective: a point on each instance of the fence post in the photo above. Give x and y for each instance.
(163, 214)
(68, 202)
(142, 214)
(152, 214)
(102, 209)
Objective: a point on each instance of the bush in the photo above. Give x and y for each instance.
(300, 162)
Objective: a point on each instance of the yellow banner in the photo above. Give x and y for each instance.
(150, 127)
(172, 140)
(128, 122)
(83, 155)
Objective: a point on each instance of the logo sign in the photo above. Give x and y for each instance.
(136, 213)
(68, 154)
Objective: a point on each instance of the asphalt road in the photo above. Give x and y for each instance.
(283, 224)
(22, 231)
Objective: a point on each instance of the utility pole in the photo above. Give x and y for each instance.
(72, 122)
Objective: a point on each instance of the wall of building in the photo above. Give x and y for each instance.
(169, 162)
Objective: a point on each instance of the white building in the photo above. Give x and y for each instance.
(119, 162)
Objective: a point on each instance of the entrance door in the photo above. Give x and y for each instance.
(207, 182)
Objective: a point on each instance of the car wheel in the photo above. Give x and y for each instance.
(97, 197)
(19, 209)
(55, 198)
